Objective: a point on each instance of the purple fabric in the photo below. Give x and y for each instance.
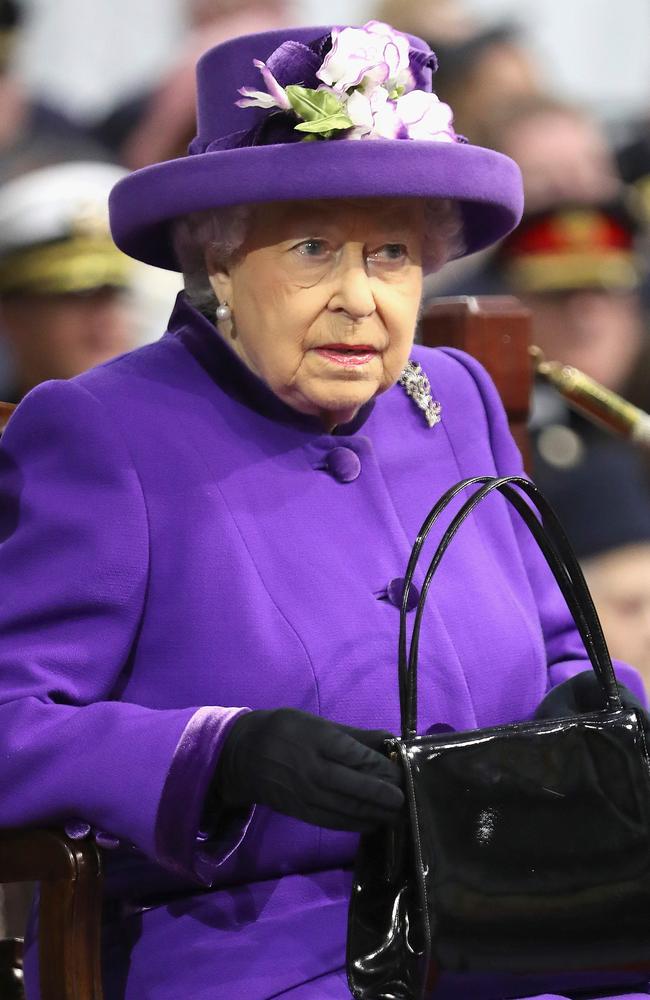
(173, 542)
(184, 794)
(295, 62)
(106, 840)
(423, 64)
(486, 183)
(344, 464)
(228, 166)
(78, 830)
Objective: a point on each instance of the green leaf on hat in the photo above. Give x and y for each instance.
(322, 112)
(333, 124)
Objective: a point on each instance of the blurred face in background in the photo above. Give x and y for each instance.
(620, 585)
(204, 12)
(502, 73)
(563, 157)
(59, 336)
(600, 332)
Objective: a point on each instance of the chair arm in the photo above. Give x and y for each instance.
(70, 874)
(6, 409)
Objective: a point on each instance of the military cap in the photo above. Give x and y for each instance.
(54, 231)
(570, 247)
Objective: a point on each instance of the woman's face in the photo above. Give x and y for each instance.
(325, 298)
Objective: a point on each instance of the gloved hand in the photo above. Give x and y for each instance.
(582, 693)
(309, 768)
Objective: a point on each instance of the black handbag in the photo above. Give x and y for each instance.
(522, 863)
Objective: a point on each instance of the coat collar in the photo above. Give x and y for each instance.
(202, 340)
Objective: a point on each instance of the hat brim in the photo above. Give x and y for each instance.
(486, 185)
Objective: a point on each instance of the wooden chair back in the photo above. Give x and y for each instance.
(496, 330)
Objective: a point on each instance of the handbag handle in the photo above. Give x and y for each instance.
(575, 591)
(559, 555)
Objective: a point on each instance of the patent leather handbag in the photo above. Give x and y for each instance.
(522, 863)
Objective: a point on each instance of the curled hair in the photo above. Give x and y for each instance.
(443, 233)
(223, 231)
(220, 230)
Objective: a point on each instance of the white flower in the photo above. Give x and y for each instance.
(375, 54)
(417, 115)
(362, 109)
(424, 116)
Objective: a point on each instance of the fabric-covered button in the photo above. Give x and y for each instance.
(395, 593)
(106, 840)
(77, 829)
(344, 464)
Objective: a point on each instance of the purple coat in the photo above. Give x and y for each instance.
(177, 546)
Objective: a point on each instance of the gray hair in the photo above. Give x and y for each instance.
(223, 231)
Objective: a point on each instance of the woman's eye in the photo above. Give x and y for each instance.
(312, 248)
(391, 253)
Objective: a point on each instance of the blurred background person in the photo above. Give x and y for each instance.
(160, 125)
(562, 150)
(32, 131)
(565, 159)
(603, 503)
(480, 67)
(64, 286)
(577, 268)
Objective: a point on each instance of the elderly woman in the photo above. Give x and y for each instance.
(205, 538)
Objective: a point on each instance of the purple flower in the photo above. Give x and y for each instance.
(275, 98)
(375, 54)
(421, 63)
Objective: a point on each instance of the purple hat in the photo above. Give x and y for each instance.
(313, 113)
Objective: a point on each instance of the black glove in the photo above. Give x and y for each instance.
(309, 768)
(582, 693)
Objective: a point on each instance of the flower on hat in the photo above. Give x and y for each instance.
(425, 116)
(417, 115)
(367, 86)
(275, 97)
(373, 54)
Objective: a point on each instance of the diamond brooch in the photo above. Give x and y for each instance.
(416, 385)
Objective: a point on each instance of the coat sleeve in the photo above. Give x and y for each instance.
(565, 653)
(74, 560)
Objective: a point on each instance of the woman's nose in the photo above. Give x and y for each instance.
(352, 292)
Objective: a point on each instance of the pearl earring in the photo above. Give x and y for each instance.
(224, 313)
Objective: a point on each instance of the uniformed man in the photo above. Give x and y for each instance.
(64, 286)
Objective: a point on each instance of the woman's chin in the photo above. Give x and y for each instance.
(343, 407)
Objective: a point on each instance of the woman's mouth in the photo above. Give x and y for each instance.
(348, 354)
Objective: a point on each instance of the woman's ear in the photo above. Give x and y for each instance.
(220, 279)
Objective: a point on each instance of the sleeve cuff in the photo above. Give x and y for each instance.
(181, 845)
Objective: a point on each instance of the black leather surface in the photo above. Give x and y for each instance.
(523, 875)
